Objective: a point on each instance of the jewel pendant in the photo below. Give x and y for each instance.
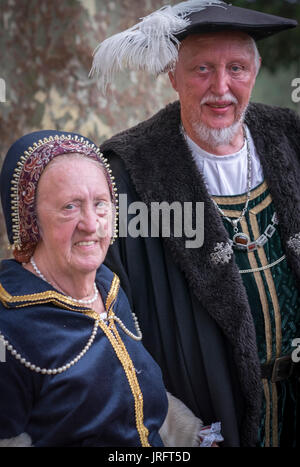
(241, 240)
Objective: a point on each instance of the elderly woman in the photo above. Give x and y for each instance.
(75, 372)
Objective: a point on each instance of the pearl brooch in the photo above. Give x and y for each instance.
(294, 243)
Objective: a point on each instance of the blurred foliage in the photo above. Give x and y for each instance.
(280, 50)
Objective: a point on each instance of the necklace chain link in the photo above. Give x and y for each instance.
(234, 222)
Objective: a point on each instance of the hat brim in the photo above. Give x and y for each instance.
(214, 19)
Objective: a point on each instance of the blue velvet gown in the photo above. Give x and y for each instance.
(113, 396)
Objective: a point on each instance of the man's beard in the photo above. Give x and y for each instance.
(218, 136)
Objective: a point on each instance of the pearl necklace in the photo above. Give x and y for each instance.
(103, 316)
(54, 371)
(80, 300)
(129, 333)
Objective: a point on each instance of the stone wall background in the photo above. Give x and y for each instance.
(46, 52)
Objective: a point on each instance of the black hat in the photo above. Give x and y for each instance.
(152, 44)
(256, 24)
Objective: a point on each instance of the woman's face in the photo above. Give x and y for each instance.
(75, 216)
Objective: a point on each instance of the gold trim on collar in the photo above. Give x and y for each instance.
(113, 335)
(239, 199)
(20, 301)
(113, 292)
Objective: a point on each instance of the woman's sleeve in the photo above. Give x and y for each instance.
(181, 428)
(16, 400)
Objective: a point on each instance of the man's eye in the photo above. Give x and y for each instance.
(69, 206)
(236, 68)
(203, 68)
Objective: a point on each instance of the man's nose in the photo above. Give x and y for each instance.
(220, 82)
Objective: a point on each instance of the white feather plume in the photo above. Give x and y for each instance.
(150, 45)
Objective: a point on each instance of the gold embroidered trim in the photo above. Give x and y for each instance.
(239, 199)
(114, 290)
(121, 351)
(268, 413)
(257, 209)
(112, 334)
(16, 178)
(269, 278)
(275, 439)
(278, 331)
(36, 299)
(262, 296)
(262, 205)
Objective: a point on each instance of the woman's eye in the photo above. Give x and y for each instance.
(102, 206)
(69, 207)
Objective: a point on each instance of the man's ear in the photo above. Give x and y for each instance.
(172, 79)
(259, 66)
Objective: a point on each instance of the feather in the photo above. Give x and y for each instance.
(21, 441)
(150, 45)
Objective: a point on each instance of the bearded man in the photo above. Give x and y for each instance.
(220, 319)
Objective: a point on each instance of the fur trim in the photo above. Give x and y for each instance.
(181, 428)
(21, 441)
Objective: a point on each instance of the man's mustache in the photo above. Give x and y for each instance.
(211, 98)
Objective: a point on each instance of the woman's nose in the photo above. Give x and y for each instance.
(89, 220)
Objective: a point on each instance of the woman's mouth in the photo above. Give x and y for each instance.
(86, 243)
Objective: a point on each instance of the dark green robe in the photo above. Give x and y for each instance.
(275, 304)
